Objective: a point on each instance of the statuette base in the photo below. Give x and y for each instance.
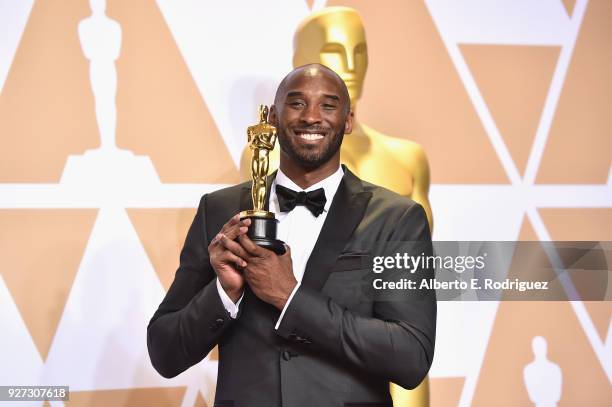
(263, 230)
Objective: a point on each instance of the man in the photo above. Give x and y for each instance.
(304, 328)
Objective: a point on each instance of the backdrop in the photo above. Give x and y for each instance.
(512, 101)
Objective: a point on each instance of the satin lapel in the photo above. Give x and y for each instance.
(345, 213)
(246, 202)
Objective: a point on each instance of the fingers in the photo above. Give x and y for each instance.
(215, 240)
(230, 224)
(229, 257)
(233, 247)
(251, 248)
(233, 220)
(234, 227)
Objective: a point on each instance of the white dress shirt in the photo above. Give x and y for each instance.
(299, 229)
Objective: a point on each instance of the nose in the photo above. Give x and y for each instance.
(350, 61)
(311, 114)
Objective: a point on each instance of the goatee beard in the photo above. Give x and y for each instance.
(310, 159)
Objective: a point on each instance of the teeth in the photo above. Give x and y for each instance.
(310, 136)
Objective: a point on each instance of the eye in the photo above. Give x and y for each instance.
(328, 106)
(296, 104)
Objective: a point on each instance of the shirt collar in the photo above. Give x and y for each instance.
(330, 185)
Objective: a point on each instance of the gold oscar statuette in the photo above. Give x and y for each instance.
(261, 138)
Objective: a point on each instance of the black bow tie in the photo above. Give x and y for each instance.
(289, 199)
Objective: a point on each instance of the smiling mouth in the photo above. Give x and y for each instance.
(309, 136)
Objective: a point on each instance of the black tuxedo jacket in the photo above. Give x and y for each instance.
(338, 344)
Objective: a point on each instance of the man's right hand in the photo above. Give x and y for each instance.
(226, 264)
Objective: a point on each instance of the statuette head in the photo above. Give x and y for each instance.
(334, 37)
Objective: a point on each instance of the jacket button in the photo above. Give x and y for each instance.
(286, 355)
(217, 324)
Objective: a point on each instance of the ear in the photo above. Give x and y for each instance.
(348, 124)
(273, 116)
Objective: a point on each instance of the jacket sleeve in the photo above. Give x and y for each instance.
(191, 319)
(395, 343)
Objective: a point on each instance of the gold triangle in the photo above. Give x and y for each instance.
(569, 6)
(509, 350)
(47, 108)
(412, 90)
(153, 397)
(588, 224)
(514, 81)
(40, 261)
(446, 391)
(161, 112)
(162, 233)
(527, 232)
(579, 147)
(214, 353)
(200, 402)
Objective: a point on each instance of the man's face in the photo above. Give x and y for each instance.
(311, 114)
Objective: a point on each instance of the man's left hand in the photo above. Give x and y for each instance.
(269, 275)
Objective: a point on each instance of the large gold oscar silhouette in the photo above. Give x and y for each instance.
(335, 37)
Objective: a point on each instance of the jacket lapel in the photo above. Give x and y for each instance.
(345, 213)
